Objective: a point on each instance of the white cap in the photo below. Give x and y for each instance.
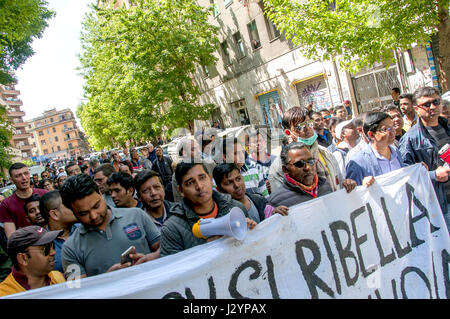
(61, 174)
(340, 127)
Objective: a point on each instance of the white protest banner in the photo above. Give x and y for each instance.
(386, 241)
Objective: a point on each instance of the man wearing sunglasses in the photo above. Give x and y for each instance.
(298, 127)
(301, 180)
(326, 117)
(32, 254)
(424, 140)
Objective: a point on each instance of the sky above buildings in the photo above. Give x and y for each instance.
(49, 79)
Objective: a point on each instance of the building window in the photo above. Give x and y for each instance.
(254, 36)
(50, 140)
(215, 6)
(56, 138)
(58, 147)
(43, 142)
(48, 131)
(46, 151)
(51, 120)
(239, 44)
(70, 146)
(41, 133)
(54, 129)
(271, 29)
(241, 111)
(225, 53)
(205, 70)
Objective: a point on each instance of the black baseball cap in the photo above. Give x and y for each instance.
(30, 236)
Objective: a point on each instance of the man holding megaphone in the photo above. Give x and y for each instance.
(199, 202)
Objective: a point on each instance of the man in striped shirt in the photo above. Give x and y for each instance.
(259, 157)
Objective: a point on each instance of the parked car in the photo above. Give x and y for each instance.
(8, 190)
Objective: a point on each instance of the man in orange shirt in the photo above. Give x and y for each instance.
(32, 254)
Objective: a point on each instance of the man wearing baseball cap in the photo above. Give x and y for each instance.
(32, 254)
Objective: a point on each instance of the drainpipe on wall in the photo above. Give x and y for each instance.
(400, 73)
(338, 81)
(351, 89)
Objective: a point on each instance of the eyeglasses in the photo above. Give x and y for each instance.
(302, 163)
(435, 102)
(385, 129)
(47, 248)
(302, 126)
(327, 117)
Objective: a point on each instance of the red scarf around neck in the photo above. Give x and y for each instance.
(311, 190)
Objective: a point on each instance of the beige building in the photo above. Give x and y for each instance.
(259, 74)
(56, 135)
(9, 97)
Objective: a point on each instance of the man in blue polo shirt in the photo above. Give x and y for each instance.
(105, 233)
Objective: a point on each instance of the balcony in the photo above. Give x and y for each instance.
(21, 136)
(13, 102)
(9, 90)
(25, 147)
(66, 129)
(19, 124)
(41, 125)
(72, 138)
(15, 114)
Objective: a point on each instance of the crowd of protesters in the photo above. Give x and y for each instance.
(86, 215)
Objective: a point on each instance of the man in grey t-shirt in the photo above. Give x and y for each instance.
(96, 246)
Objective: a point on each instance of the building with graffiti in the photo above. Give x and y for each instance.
(260, 74)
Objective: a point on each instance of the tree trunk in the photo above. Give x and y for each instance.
(444, 44)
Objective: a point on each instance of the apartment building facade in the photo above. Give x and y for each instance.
(20, 146)
(259, 74)
(56, 135)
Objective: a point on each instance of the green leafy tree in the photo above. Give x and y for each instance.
(138, 65)
(359, 33)
(20, 23)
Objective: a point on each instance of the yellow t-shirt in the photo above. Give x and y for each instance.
(10, 285)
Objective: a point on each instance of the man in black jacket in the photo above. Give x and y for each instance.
(199, 201)
(230, 181)
(425, 139)
(301, 181)
(163, 166)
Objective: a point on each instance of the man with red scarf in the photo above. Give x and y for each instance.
(301, 181)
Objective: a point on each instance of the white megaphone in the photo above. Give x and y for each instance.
(232, 224)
